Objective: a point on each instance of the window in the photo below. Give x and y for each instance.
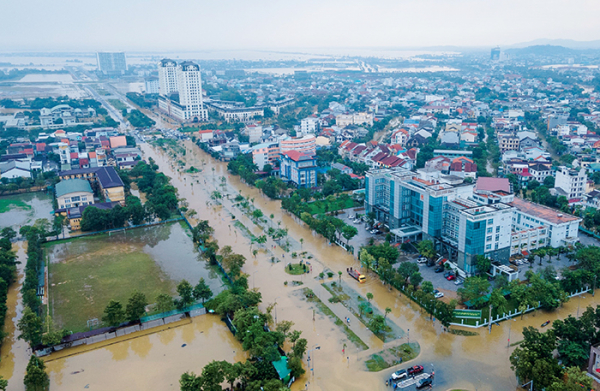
(489, 230)
(491, 221)
(497, 229)
(497, 237)
(488, 247)
(488, 239)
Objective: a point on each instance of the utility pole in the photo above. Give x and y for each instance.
(490, 318)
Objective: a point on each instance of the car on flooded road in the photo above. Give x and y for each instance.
(424, 383)
(415, 369)
(401, 374)
(438, 294)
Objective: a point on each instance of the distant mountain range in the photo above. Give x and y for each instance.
(567, 43)
(542, 50)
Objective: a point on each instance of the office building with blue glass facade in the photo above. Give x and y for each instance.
(420, 206)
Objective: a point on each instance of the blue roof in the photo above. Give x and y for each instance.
(72, 186)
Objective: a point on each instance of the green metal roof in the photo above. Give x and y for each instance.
(282, 369)
(72, 186)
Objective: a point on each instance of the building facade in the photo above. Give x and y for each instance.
(571, 181)
(306, 144)
(72, 193)
(186, 81)
(112, 62)
(265, 153)
(299, 168)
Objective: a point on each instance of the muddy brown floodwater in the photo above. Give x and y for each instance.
(156, 361)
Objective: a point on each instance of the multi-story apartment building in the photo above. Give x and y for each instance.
(255, 133)
(309, 125)
(265, 153)
(354, 119)
(508, 142)
(111, 63)
(306, 144)
(299, 168)
(539, 172)
(571, 181)
(167, 77)
(184, 79)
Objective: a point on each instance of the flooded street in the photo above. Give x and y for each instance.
(156, 361)
(14, 354)
(480, 361)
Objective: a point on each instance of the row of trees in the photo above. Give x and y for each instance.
(115, 314)
(7, 273)
(95, 219)
(161, 196)
(408, 279)
(534, 359)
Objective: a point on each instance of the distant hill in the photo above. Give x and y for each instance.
(567, 43)
(542, 50)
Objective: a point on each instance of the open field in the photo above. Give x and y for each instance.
(24, 209)
(86, 273)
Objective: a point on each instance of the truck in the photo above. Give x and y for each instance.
(356, 275)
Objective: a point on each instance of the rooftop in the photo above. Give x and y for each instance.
(543, 212)
(72, 186)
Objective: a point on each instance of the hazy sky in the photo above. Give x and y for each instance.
(141, 25)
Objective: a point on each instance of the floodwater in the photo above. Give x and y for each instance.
(169, 246)
(24, 209)
(150, 362)
(469, 362)
(156, 362)
(14, 353)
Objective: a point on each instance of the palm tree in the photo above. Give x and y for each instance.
(340, 276)
(301, 243)
(387, 311)
(369, 296)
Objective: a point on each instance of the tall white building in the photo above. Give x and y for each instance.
(571, 181)
(184, 79)
(309, 125)
(167, 77)
(190, 91)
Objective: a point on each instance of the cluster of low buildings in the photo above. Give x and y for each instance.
(61, 151)
(59, 116)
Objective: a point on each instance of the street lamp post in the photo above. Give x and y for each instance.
(276, 310)
(315, 347)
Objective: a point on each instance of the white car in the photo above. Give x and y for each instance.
(401, 374)
(422, 260)
(438, 294)
(458, 281)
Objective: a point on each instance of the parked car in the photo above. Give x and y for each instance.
(451, 277)
(416, 369)
(439, 269)
(356, 221)
(448, 273)
(424, 383)
(438, 294)
(351, 217)
(458, 281)
(422, 260)
(401, 374)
